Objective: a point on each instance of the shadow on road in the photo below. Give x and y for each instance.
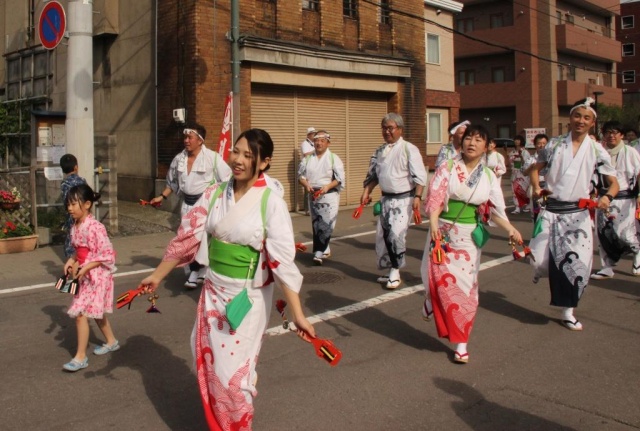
(168, 381)
(480, 414)
(373, 320)
(498, 303)
(64, 328)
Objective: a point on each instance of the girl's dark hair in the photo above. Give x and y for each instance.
(260, 144)
(477, 129)
(81, 193)
(520, 138)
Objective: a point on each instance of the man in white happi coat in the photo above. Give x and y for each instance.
(190, 173)
(563, 249)
(398, 168)
(617, 231)
(306, 149)
(322, 176)
(450, 150)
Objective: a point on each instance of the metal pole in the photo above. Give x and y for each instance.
(79, 122)
(235, 68)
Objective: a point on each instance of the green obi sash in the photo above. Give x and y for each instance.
(233, 260)
(458, 210)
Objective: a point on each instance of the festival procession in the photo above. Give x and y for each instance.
(248, 215)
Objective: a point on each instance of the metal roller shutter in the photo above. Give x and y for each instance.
(352, 119)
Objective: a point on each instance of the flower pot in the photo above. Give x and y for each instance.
(18, 244)
(10, 206)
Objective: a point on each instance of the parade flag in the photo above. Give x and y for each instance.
(224, 144)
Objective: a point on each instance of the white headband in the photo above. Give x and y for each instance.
(188, 131)
(587, 105)
(322, 135)
(465, 123)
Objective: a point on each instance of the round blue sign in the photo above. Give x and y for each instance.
(52, 25)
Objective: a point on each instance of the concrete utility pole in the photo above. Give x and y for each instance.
(79, 123)
(235, 68)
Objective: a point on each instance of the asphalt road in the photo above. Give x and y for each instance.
(526, 372)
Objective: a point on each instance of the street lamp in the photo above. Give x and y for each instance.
(596, 94)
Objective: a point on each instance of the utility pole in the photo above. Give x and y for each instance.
(79, 123)
(235, 68)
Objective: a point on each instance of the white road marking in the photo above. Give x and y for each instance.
(372, 302)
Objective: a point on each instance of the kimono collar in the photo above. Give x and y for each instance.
(199, 164)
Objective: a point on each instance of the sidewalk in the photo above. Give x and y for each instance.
(141, 252)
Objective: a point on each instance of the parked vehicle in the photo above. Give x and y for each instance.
(504, 143)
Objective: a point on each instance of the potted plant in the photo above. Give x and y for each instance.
(16, 238)
(10, 200)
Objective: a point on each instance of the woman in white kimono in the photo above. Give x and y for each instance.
(191, 171)
(617, 234)
(518, 158)
(495, 160)
(563, 250)
(462, 193)
(243, 234)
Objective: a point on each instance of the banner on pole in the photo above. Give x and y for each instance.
(224, 144)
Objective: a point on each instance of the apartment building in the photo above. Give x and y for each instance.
(331, 64)
(443, 103)
(628, 34)
(522, 64)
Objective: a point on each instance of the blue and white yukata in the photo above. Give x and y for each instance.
(397, 168)
(320, 171)
(563, 250)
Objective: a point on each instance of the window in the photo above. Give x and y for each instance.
(628, 77)
(504, 131)
(558, 17)
(350, 8)
(497, 74)
(28, 75)
(569, 19)
(571, 73)
(628, 49)
(312, 5)
(627, 22)
(496, 20)
(466, 77)
(433, 48)
(434, 128)
(385, 12)
(464, 25)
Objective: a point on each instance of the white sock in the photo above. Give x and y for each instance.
(636, 260)
(461, 348)
(318, 254)
(567, 314)
(394, 274)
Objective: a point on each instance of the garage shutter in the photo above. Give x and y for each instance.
(352, 119)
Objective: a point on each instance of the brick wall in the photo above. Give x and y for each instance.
(194, 55)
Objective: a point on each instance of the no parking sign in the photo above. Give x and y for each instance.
(52, 24)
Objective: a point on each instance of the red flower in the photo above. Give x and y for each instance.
(11, 225)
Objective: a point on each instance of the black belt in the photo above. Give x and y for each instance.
(400, 195)
(623, 194)
(191, 199)
(561, 207)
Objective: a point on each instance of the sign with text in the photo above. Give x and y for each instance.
(530, 134)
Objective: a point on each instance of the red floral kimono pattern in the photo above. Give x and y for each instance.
(226, 359)
(452, 286)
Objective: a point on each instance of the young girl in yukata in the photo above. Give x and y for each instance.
(93, 266)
